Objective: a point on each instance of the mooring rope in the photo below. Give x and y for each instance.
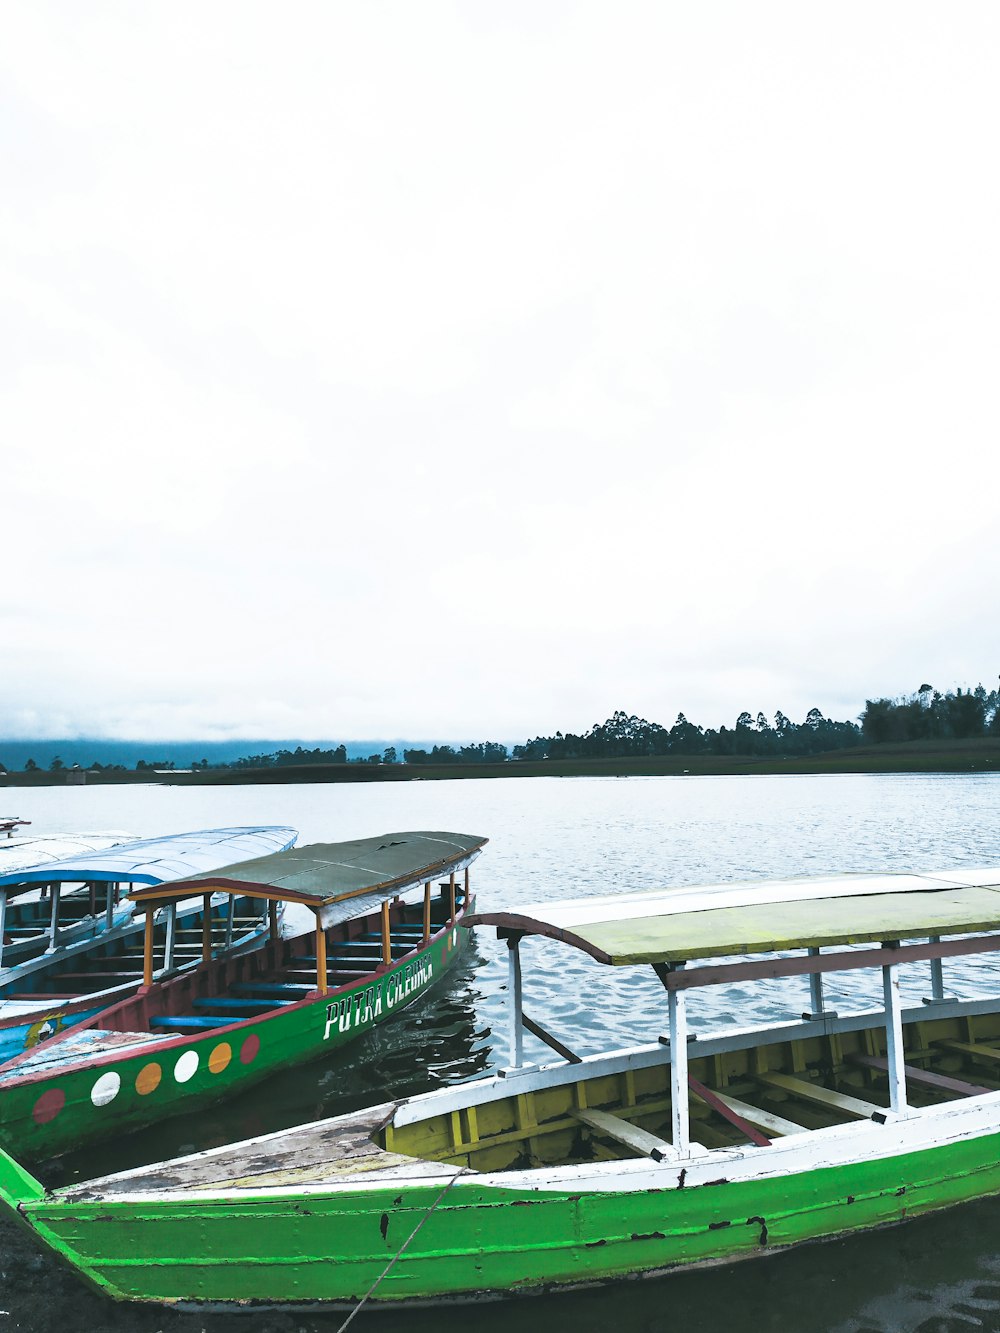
(385, 1271)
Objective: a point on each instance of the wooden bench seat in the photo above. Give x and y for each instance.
(632, 1136)
(914, 1074)
(815, 1092)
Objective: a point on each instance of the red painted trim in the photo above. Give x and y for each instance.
(886, 956)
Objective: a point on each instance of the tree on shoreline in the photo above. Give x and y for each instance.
(930, 715)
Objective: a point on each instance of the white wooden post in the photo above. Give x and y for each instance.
(894, 1038)
(815, 989)
(937, 973)
(168, 948)
(514, 991)
(54, 919)
(680, 1115)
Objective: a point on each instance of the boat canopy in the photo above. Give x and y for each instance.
(39, 849)
(152, 860)
(329, 872)
(664, 926)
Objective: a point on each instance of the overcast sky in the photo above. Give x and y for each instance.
(474, 370)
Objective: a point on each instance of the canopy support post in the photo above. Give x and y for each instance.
(679, 1110)
(465, 895)
(54, 919)
(272, 920)
(3, 918)
(451, 899)
(817, 1008)
(386, 943)
(321, 980)
(515, 997)
(894, 1037)
(168, 948)
(229, 922)
(109, 905)
(937, 974)
(427, 911)
(147, 946)
(206, 927)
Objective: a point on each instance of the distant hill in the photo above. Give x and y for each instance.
(86, 751)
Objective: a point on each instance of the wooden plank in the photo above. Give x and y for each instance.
(147, 966)
(723, 1108)
(775, 1124)
(206, 927)
(926, 1076)
(386, 946)
(321, 977)
(543, 1035)
(836, 1101)
(649, 1145)
(990, 1053)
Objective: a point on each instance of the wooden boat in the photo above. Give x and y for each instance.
(213, 1029)
(74, 953)
(677, 1153)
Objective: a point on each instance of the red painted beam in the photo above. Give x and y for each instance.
(885, 956)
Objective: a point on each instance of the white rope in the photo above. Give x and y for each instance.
(385, 1271)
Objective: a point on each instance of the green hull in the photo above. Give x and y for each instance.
(71, 1104)
(477, 1239)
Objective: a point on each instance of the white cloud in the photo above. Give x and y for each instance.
(434, 370)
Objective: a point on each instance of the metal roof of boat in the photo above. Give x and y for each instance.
(153, 860)
(715, 920)
(327, 872)
(36, 849)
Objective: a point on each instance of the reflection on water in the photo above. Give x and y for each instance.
(561, 838)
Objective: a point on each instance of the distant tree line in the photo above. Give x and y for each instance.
(623, 735)
(925, 715)
(930, 715)
(282, 758)
(486, 752)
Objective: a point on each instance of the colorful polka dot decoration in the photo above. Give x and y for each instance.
(108, 1085)
(148, 1079)
(220, 1057)
(48, 1106)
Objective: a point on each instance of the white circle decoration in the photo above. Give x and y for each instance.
(186, 1067)
(106, 1089)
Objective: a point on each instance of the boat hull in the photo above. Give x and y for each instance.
(468, 1237)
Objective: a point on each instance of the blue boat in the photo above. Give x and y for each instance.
(74, 951)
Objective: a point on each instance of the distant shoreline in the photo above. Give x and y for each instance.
(972, 756)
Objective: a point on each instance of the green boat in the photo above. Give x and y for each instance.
(383, 933)
(692, 1149)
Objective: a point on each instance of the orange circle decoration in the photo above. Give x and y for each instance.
(148, 1079)
(220, 1057)
(48, 1106)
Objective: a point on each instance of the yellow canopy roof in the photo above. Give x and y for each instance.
(714, 920)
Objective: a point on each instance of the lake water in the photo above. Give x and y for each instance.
(559, 838)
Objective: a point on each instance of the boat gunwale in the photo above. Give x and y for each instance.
(8, 1069)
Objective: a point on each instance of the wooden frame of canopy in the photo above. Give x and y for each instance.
(273, 896)
(677, 979)
(671, 929)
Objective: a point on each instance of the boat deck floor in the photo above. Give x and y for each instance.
(83, 1045)
(324, 1152)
